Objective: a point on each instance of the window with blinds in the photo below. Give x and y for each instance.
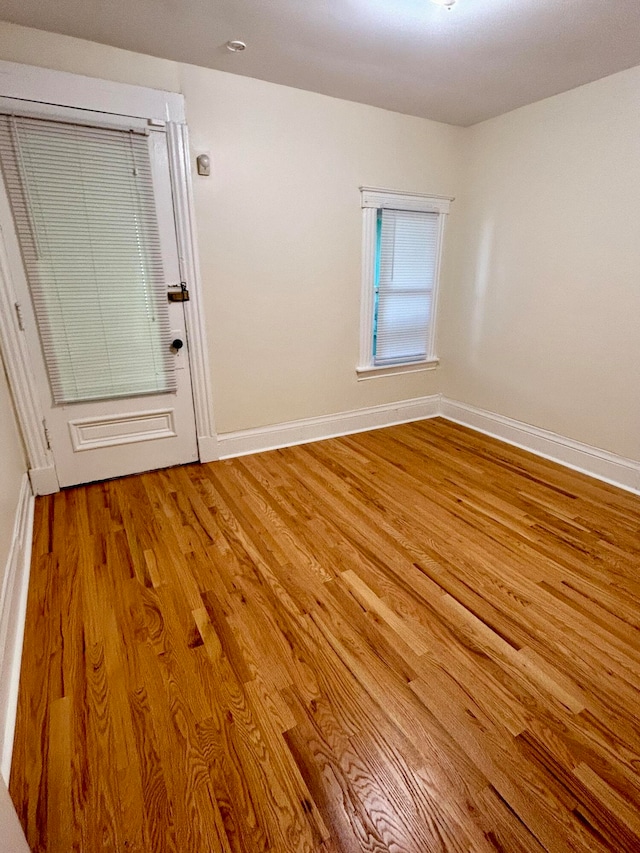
(402, 245)
(83, 204)
(406, 258)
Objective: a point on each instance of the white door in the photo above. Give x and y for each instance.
(87, 218)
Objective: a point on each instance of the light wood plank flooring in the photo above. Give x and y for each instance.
(416, 639)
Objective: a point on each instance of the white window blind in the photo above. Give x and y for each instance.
(406, 264)
(83, 204)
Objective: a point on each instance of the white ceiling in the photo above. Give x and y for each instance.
(477, 60)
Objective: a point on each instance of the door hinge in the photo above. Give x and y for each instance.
(47, 437)
(18, 308)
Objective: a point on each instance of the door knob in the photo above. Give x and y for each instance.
(177, 344)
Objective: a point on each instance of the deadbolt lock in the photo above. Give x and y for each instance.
(178, 295)
(181, 295)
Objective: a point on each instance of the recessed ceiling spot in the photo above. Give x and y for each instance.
(235, 46)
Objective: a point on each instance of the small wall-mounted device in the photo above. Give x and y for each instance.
(203, 162)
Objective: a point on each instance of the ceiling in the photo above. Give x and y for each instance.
(461, 65)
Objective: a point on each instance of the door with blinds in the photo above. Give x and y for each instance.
(87, 219)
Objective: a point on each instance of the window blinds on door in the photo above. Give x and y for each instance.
(84, 210)
(405, 274)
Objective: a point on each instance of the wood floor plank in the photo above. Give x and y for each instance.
(406, 641)
(60, 812)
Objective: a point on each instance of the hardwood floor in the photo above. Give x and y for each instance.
(415, 639)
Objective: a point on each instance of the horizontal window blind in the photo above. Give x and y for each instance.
(83, 205)
(407, 247)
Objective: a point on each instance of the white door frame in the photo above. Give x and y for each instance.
(42, 85)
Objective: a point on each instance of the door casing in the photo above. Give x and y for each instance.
(43, 86)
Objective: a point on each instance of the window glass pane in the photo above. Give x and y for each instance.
(84, 210)
(402, 320)
(406, 253)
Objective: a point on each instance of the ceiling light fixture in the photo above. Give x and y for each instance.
(446, 3)
(235, 46)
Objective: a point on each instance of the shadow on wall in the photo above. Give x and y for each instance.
(480, 288)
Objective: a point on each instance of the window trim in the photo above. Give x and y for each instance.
(372, 200)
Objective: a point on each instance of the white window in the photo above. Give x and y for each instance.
(402, 244)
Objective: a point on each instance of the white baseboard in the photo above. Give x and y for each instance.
(44, 481)
(328, 426)
(13, 606)
(208, 448)
(617, 470)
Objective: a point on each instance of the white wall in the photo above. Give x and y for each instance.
(543, 323)
(280, 240)
(279, 224)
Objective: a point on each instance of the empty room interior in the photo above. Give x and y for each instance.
(320, 426)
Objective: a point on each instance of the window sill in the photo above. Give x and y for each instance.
(372, 372)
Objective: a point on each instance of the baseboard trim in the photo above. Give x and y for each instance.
(44, 481)
(600, 464)
(246, 441)
(208, 448)
(597, 463)
(13, 606)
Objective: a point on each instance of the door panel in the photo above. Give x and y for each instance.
(103, 438)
